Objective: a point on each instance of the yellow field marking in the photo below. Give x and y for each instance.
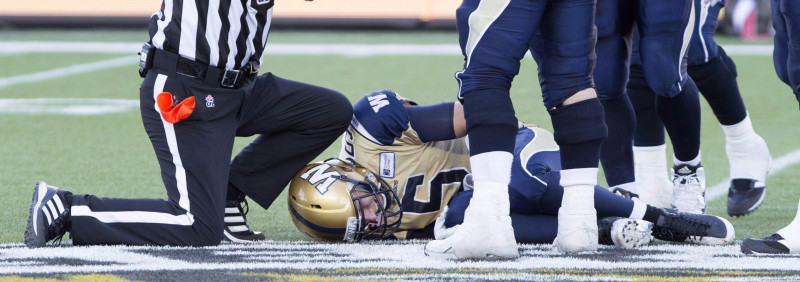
(75, 278)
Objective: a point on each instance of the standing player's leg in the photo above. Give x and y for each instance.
(494, 37)
(785, 20)
(665, 25)
(193, 154)
(715, 75)
(566, 59)
(296, 122)
(614, 21)
(649, 142)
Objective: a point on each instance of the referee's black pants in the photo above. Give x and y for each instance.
(296, 122)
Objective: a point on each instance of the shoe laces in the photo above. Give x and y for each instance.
(679, 226)
(244, 208)
(56, 230)
(688, 192)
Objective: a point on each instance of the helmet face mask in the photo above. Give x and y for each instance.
(333, 200)
(383, 198)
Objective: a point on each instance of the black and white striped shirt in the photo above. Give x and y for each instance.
(222, 33)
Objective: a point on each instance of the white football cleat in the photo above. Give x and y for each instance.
(486, 232)
(483, 238)
(689, 194)
(626, 233)
(577, 221)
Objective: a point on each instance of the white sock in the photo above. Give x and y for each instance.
(793, 229)
(578, 186)
(639, 208)
(491, 173)
(692, 162)
(739, 131)
(492, 166)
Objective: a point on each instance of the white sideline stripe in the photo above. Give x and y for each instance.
(66, 106)
(358, 50)
(133, 216)
(66, 71)
(779, 164)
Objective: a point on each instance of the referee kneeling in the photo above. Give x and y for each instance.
(200, 90)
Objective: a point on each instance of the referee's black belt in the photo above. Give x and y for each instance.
(213, 75)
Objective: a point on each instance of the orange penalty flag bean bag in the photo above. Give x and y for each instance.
(174, 114)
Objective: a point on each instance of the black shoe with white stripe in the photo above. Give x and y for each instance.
(49, 215)
(236, 228)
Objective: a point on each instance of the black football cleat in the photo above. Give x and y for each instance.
(236, 228)
(769, 245)
(744, 196)
(49, 217)
(623, 232)
(696, 228)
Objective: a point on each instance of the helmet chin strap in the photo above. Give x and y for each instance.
(352, 229)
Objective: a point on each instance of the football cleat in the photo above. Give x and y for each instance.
(774, 244)
(577, 221)
(689, 194)
(749, 161)
(625, 233)
(236, 228)
(744, 196)
(486, 232)
(695, 228)
(483, 238)
(49, 217)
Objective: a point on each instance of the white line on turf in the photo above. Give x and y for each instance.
(779, 164)
(67, 71)
(66, 106)
(359, 50)
(318, 256)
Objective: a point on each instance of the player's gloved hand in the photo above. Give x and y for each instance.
(440, 232)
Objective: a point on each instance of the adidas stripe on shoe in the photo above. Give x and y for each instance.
(236, 228)
(49, 217)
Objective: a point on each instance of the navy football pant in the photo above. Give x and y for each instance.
(663, 26)
(296, 122)
(786, 55)
(494, 36)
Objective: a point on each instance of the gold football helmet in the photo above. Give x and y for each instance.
(325, 202)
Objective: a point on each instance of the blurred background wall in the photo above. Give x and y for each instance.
(748, 18)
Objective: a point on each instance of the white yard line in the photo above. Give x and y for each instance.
(358, 50)
(779, 164)
(67, 71)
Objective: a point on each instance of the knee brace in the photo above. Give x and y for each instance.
(491, 121)
(580, 122)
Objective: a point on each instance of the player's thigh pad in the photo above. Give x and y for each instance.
(565, 49)
(665, 30)
(494, 37)
(614, 20)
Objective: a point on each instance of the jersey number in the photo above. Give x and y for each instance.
(435, 187)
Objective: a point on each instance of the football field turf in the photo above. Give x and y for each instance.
(69, 116)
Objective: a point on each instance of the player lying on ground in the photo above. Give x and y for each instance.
(419, 151)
